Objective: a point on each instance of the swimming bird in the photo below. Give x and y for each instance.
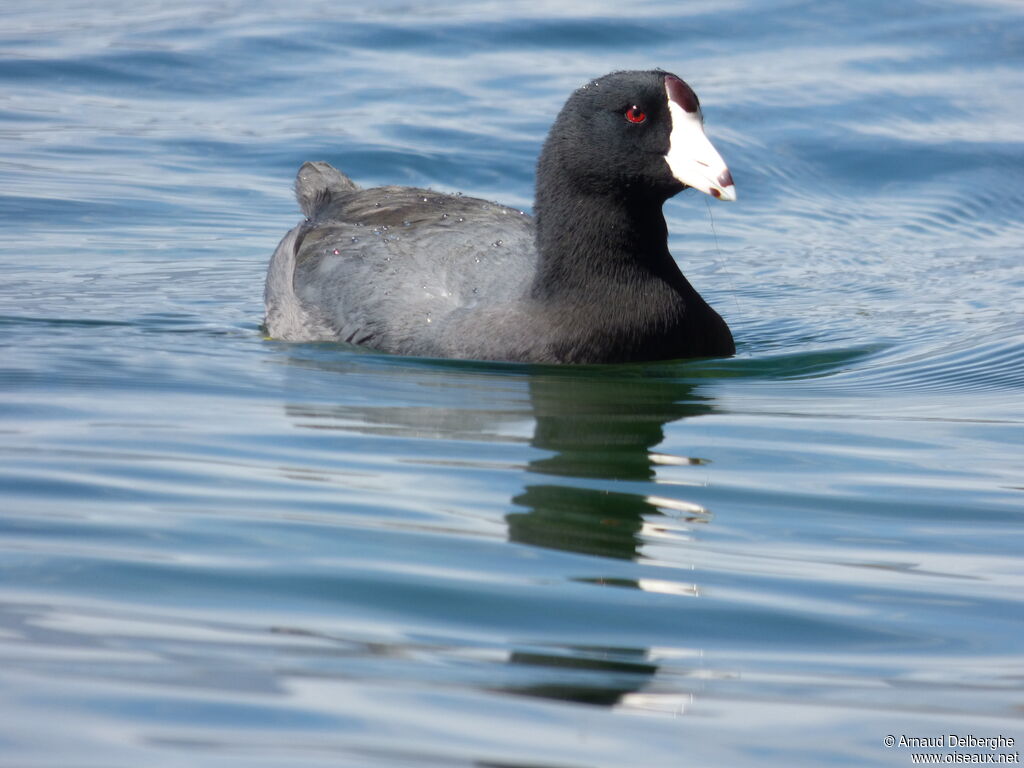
(587, 279)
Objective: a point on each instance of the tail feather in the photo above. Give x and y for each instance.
(317, 183)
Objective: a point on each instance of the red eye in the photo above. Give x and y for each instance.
(635, 115)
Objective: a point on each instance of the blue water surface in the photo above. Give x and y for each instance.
(221, 550)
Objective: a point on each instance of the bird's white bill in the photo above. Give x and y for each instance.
(692, 158)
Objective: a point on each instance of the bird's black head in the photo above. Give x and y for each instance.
(633, 135)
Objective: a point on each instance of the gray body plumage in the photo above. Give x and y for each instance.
(400, 269)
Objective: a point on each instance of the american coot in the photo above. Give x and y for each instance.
(588, 280)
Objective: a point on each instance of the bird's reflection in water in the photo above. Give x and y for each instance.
(589, 493)
(601, 431)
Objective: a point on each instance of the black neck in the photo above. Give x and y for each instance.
(599, 236)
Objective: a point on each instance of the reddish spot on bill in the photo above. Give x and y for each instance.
(681, 93)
